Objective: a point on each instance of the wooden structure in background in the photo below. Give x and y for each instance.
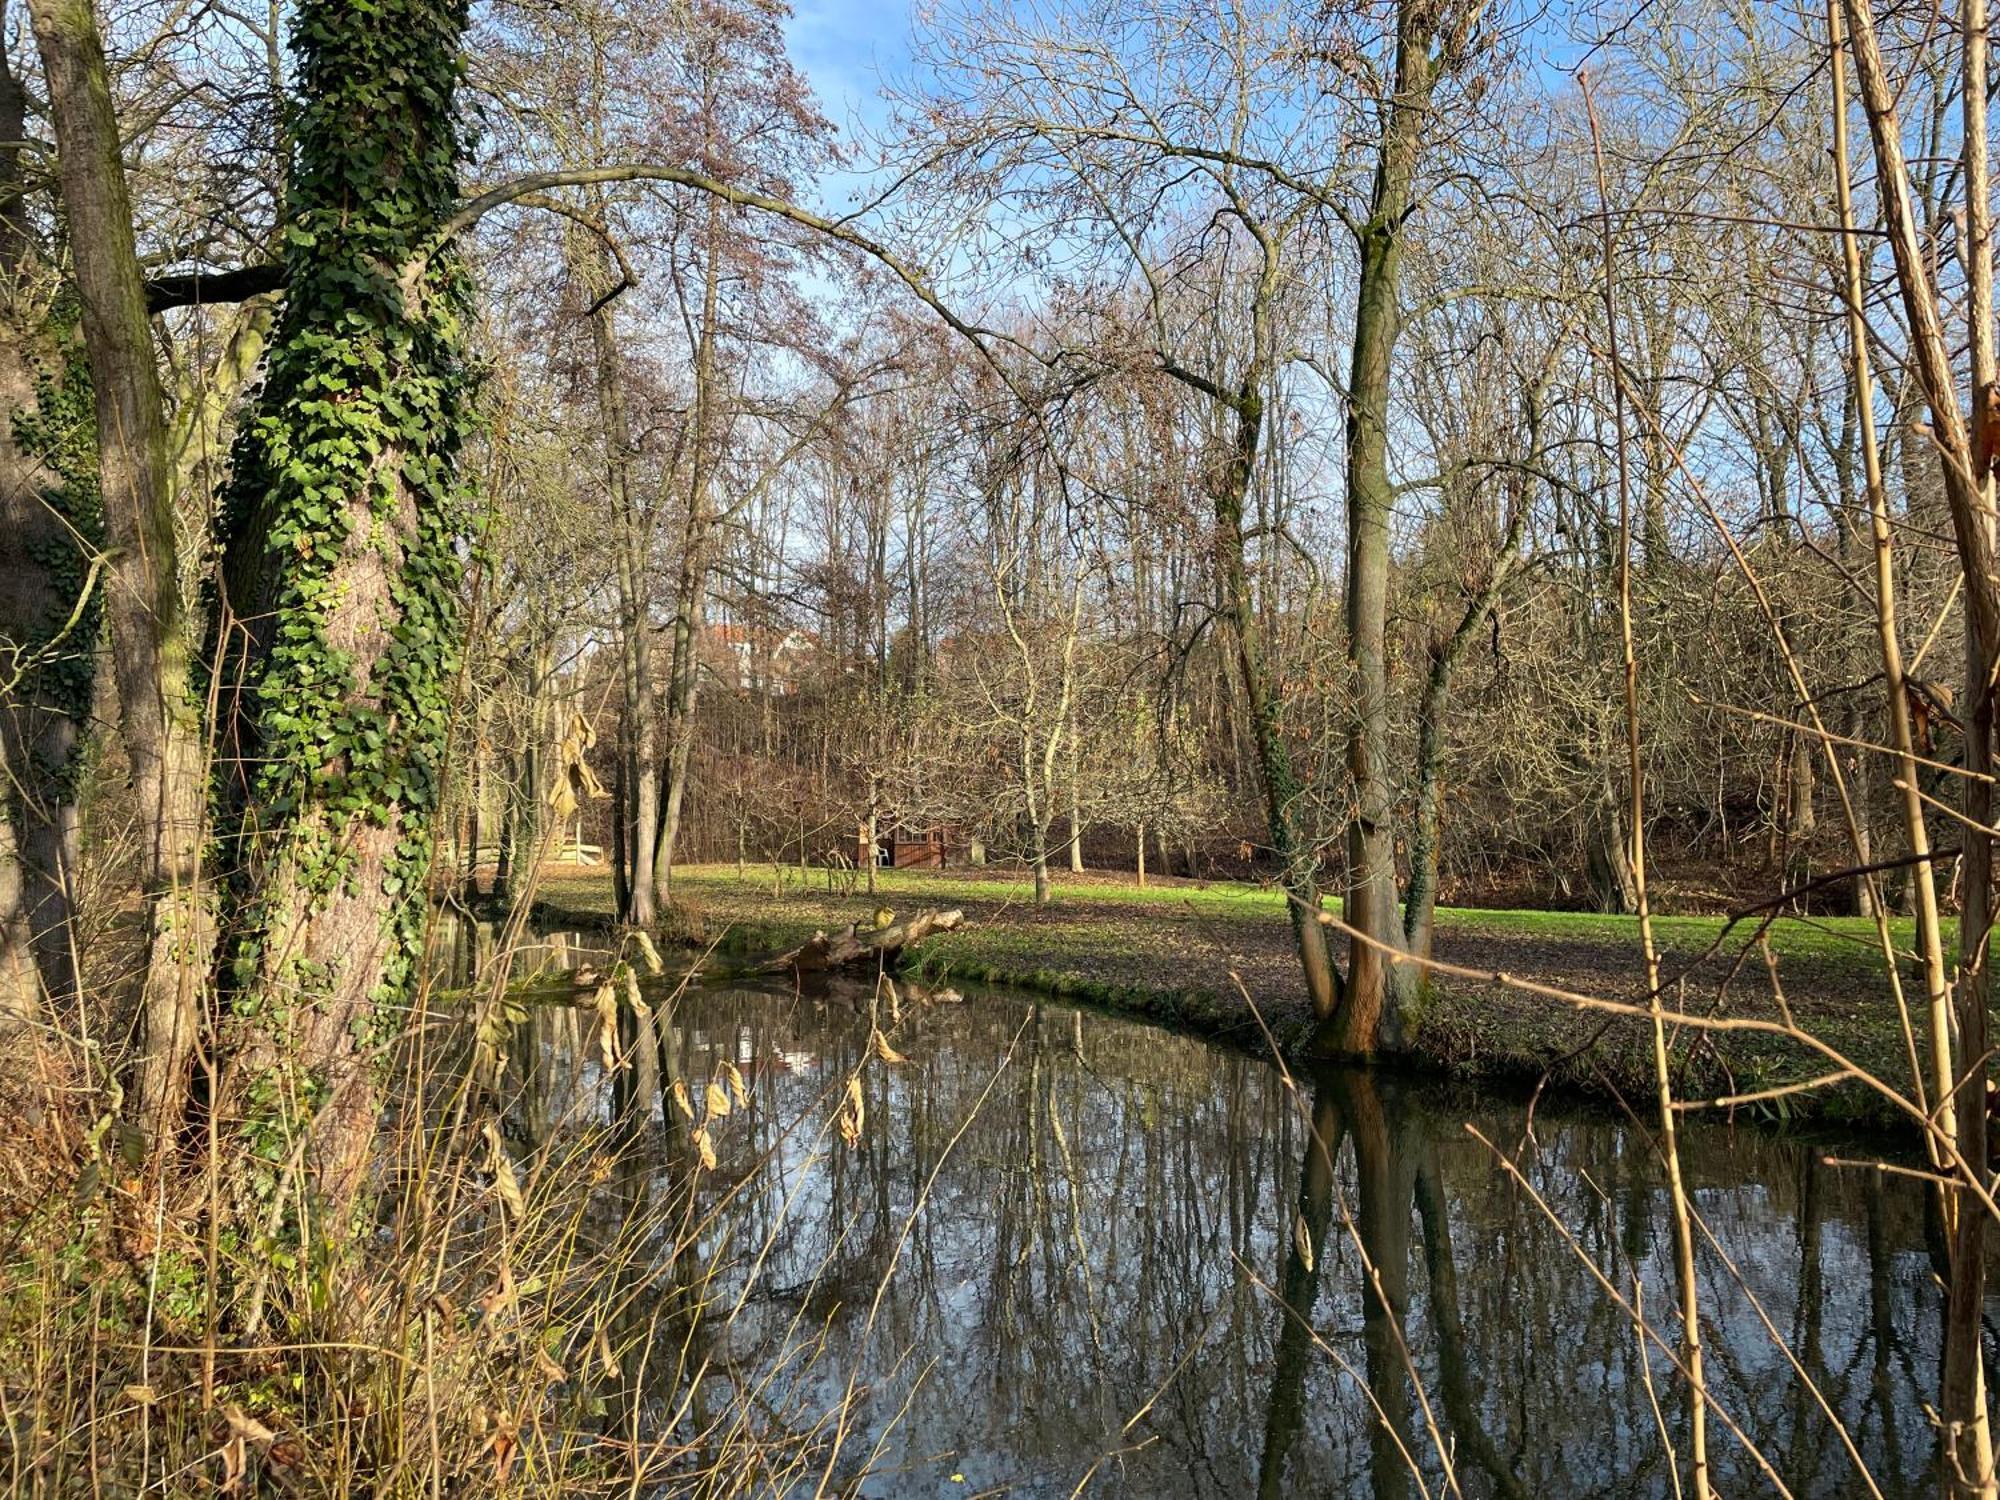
(930, 846)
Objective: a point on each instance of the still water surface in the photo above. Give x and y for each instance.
(1095, 1228)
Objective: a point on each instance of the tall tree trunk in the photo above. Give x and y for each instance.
(1426, 829)
(522, 847)
(49, 616)
(1965, 457)
(1965, 1392)
(503, 835)
(683, 697)
(691, 595)
(1607, 848)
(635, 659)
(1298, 872)
(1922, 883)
(621, 827)
(160, 722)
(20, 981)
(475, 794)
(344, 533)
(1372, 1012)
(1075, 800)
(20, 572)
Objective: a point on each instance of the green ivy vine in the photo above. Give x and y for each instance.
(348, 479)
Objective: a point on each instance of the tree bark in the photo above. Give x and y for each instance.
(1298, 872)
(1427, 824)
(159, 721)
(1075, 799)
(691, 593)
(1964, 457)
(344, 530)
(1372, 1012)
(683, 696)
(635, 663)
(48, 627)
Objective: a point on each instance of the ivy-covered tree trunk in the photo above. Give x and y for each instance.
(344, 553)
(159, 723)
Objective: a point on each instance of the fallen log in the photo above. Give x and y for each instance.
(852, 948)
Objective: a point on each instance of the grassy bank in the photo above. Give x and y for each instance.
(1217, 957)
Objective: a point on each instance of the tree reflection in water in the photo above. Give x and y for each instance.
(1145, 1260)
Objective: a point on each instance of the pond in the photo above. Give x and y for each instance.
(1054, 1253)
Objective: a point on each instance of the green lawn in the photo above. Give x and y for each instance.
(1179, 951)
(1790, 937)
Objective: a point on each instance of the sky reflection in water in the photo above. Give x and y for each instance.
(1095, 1286)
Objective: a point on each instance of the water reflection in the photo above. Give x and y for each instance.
(1064, 1247)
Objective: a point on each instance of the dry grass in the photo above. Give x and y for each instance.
(527, 1309)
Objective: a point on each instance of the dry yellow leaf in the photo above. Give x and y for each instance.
(243, 1425)
(852, 1113)
(734, 1078)
(884, 1051)
(607, 1026)
(505, 1183)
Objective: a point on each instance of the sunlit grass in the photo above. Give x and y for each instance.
(1789, 937)
(1174, 952)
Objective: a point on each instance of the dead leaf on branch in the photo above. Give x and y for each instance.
(500, 1296)
(852, 1112)
(244, 1431)
(884, 1051)
(505, 1183)
(504, 1445)
(606, 1002)
(704, 1147)
(734, 1078)
(575, 778)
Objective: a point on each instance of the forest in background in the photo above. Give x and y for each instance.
(1380, 450)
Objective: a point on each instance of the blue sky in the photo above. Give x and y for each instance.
(846, 47)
